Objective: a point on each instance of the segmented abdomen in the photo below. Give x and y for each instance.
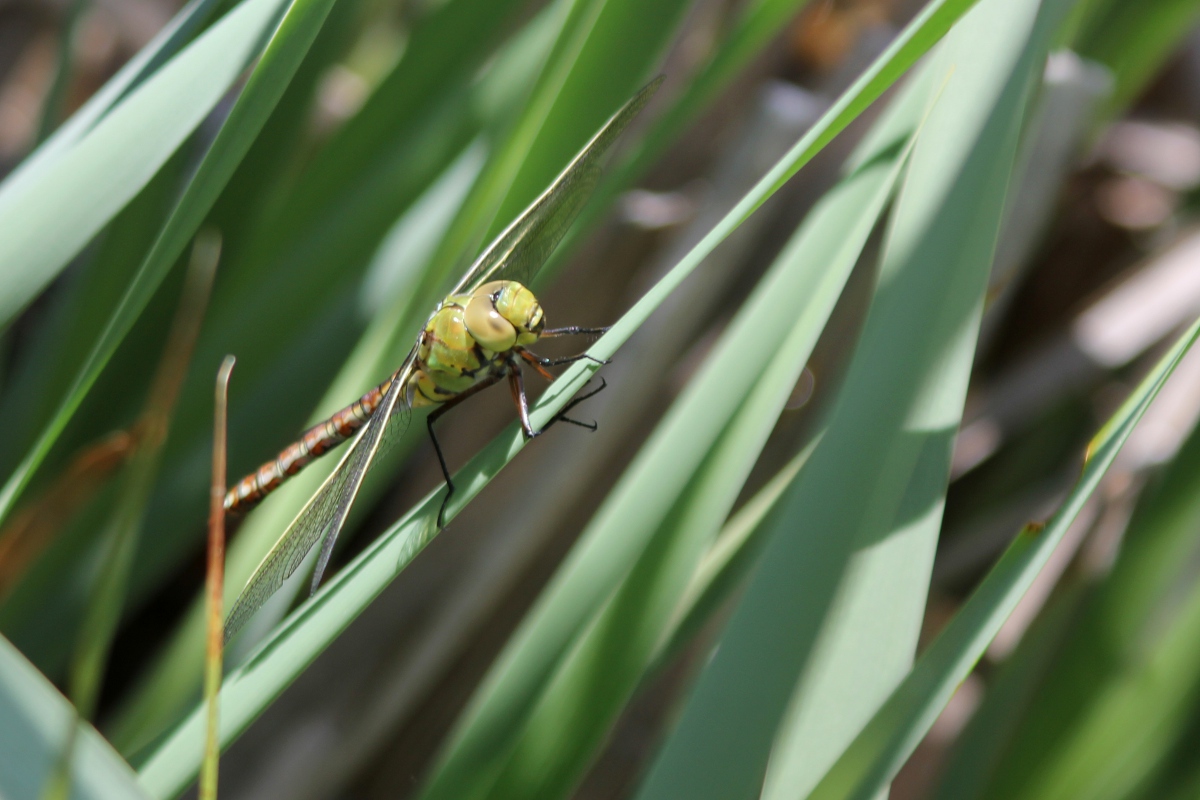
(314, 442)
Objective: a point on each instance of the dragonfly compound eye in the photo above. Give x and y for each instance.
(492, 331)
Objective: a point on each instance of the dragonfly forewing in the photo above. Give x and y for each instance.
(325, 513)
(525, 245)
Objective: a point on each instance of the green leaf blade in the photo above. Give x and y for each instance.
(34, 725)
(897, 727)
(867, 505)
(50, 211)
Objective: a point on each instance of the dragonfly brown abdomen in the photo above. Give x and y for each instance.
(314, 442)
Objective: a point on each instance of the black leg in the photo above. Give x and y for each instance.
(574, 330)
(591, 426)
(562, 415)
(587, 396)
(555, 362)
(437, 448)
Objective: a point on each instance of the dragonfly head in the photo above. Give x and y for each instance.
(504, 314)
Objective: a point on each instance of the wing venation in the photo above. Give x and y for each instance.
(325, 512)
(524, 246)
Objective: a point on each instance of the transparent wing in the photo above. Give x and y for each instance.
(523, 247)
(326, 511)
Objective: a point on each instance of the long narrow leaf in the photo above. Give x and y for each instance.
(49, 211)
(214, 584)
(165, 44)
(724, 567)
(879, 751)
(1097, 697)
(35, 722)
(758, 22)
(860, 523)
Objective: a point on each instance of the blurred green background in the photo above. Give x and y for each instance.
(889, 281)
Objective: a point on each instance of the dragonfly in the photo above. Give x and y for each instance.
(477, 336)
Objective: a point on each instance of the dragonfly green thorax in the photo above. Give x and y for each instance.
(468, 338)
